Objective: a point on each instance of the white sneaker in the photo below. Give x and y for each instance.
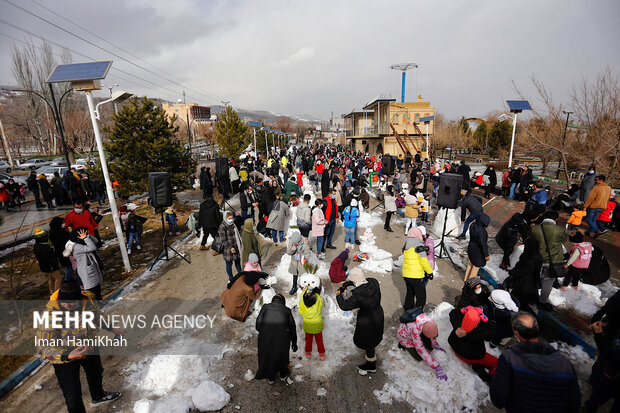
(138, 247)
(287, 379)
(128, 251)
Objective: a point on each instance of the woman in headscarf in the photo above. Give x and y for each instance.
(229, 235)
(276, 334)
(249, 241)
(524, 278)
(239, 294)
(208, 184)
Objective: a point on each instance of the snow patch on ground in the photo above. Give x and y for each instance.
(453, 222)
(586, 301)
(379, 260)
(177, 383)
(414, 381)
(370, 219)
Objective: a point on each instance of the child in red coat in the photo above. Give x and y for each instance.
(338, 270)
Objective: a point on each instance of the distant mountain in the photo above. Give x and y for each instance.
(267, 116)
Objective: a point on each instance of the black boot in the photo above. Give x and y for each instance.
(294, 288)
(368, 367)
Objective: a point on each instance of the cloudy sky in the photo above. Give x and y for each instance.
(315, 56)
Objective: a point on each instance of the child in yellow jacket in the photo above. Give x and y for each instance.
(310, 306)
(575, 219)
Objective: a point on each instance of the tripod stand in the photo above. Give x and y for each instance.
(166, 247)
(443, 250)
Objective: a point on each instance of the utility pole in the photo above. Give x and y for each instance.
(567, 113)
(403, 67)
(6, 145)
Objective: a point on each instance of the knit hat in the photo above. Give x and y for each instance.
(252, 258)
(296, 237)
(430, 330)
(473, 316)
(472, 282)
(38, 232)
(70, 291)
(415, 233)
(575, 239)
(357, 276)
(344, 255)
(502, 300)
(354, 202)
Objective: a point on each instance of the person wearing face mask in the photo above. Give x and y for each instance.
(587, 183)
(229, 235)
(532, 376)
(249, 201)
(475, 293)
(80, 217)
(330, 209)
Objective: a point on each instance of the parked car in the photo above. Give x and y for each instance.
(5, 167)
(61, 161)
(4, 177)
(33, 164)
(82, 164)
(48, 171)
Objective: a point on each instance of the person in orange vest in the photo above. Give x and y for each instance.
(115, 186)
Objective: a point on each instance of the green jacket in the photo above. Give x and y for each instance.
(291, 187)
(556, 237)
(313, 320)
(249, 241)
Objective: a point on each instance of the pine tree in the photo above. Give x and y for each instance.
(232, 135)
(499, 137)
(480, 136)
(142, 141)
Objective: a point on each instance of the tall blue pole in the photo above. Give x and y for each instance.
(402, 95)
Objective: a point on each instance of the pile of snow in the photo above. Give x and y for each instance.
(586, 301)
(453, 222)
(177, 383)
(369, 219)
(415, 382)
(379, 260)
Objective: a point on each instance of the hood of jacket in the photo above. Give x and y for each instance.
(210, 203)
(483, 219)
(412, 243)
(368, 294)
(248, 225)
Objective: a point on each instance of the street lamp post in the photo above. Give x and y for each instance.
(516, 107)
(110, 89)
(567, 113)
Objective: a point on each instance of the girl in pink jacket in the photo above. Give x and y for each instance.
(318, 227)
(421, 335)
(578, 261)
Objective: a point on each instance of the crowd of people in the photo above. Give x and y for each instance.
(528, 376)
(340, 180)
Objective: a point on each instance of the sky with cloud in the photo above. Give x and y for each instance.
(318, 57)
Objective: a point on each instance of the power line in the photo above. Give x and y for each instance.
(119, 47)
(174, 92)
(101, 48)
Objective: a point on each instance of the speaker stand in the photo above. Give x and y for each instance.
(164, 253)
(443, 250)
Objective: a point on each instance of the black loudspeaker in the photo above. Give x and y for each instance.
(221, 166)
(160, 189)
(449, 190)
(388, 165)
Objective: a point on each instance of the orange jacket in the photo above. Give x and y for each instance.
(576, 217)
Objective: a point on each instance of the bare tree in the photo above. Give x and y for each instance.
(597, 108)
(549, 128)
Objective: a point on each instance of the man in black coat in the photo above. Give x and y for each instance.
(58, 237)
(524, 182)
(276, 333)
(365, 294)
(489, 188)
(249, 201)
(513, 230)
(464, 171)
(209, 218)
(605, 378)
(33, 186)
(515, 177)
(472, 203)
(532, 376)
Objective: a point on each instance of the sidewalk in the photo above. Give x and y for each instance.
(19, 225)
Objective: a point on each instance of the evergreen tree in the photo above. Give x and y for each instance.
(142, 141)
(232, 135)
(480, 136)
(499, 137)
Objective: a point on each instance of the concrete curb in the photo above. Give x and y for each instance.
(17, 377)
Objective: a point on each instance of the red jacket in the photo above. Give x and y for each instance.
(605, 215)
(506, 179)
(336, 271)
(331, 203)
(300, 179)
(85, 219)
(319, 169)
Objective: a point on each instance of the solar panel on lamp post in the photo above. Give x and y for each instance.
(86, 77)
(516, 107)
